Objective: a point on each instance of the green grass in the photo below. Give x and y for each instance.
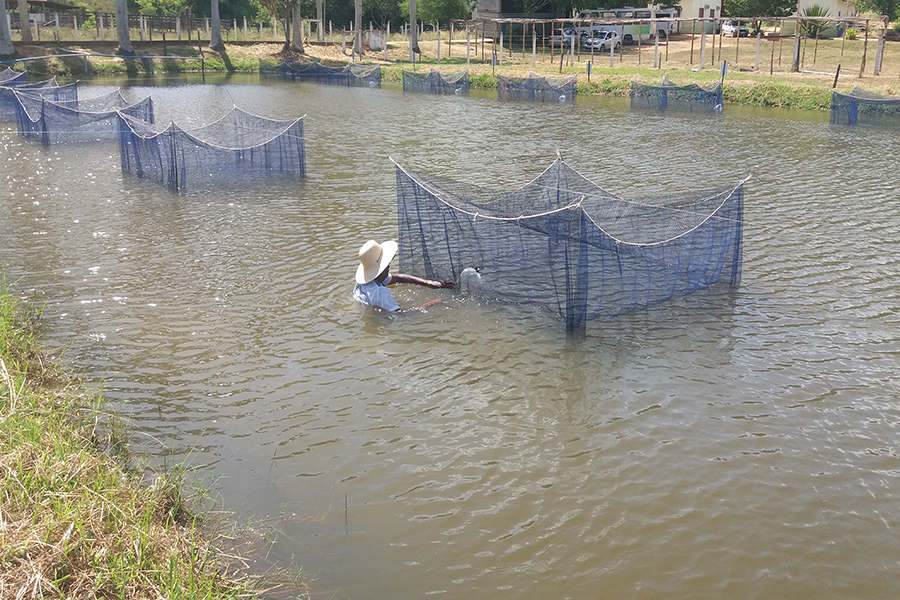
(77, 522)
(783, 96)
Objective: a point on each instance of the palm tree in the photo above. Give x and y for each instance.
(413, 30)
(320, 17)
(297, 39)
(357, 24)
(6, 45)
(24, 21)
(215, 36)
(122, 28)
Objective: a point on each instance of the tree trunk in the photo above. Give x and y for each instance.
(122, 28)
(6, 45)
(358, 34)
(215, 36)
(24, 21)
(320, 17)
(297, 40)
(288, 7)
(413, 28)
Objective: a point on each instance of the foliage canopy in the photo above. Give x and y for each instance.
(759, 8)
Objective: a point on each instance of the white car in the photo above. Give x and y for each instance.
(734, 29)
(603, 41)
(563, 37)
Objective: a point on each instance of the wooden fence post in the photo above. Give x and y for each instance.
(703, 43)
(693, 34)
(533, 44)
(862, 66)
(879, 52)
(772, 59)
(758, 42)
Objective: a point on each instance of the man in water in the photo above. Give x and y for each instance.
(373, 275)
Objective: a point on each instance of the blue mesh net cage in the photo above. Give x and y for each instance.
(670, 96)
(861, 107)
(8, 77)
(352, 74)
(49, 89)
(79, 120)
(536, 88)
(436, 83)
(564, 243)
(237, 146)
(282, 68)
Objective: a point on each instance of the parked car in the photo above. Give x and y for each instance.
(603, 41)
(734, 29)
(563, 37)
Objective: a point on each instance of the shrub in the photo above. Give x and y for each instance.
(851, 33)
(89, 23)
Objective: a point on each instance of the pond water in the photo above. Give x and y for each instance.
(733, 444)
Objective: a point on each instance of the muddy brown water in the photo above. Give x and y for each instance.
(729, 445)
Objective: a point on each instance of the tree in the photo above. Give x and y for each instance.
(297, 38)
(357, 27)
(6, 45)
(562, 8)
(215, 36)
(532, 7)
(889, 8)
(166, 8)
(320, 18)
(285, 9)
(444, 11)
(381, 12)
(24, 22)
(122, 28)
(759, 8)
(413, 28)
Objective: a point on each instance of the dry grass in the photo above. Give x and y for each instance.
(820, 60)
(679, 59)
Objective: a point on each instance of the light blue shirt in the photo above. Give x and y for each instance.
(376, 294)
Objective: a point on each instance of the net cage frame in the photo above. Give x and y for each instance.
(668, 95)
(537, 88)
(860, 106)
(437, 83)
(351, 75)
(9, 77)
(78, 120)
(49, 88)
(236, 146)
(563, 243)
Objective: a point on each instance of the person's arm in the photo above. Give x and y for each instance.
(432, 283)
(420, 308)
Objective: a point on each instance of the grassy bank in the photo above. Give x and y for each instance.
(75, 520)
(752, 79)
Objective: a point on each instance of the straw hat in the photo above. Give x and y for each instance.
(373, 259)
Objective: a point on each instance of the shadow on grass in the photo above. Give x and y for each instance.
(225, 59)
